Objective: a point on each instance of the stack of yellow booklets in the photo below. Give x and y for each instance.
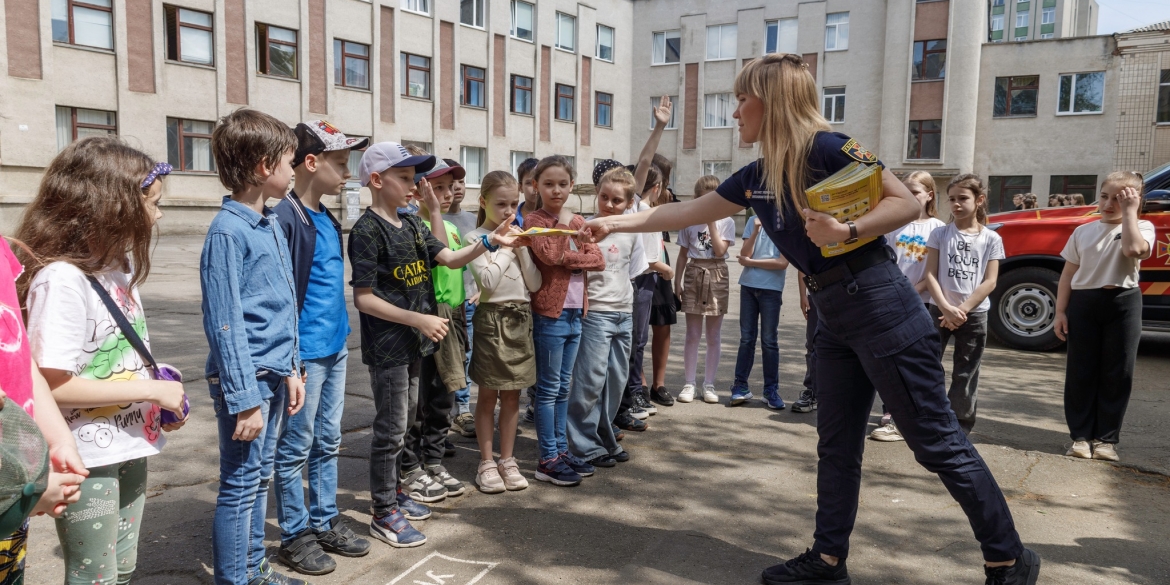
(847, 195)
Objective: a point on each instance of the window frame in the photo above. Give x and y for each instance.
(768, 24)
(836, 26)
(264, 67)
(74, 124)
(994, 18)
(69, 5)
(918, 68)
(709, 168)
(406, 67)
(402, 4)
(343, 55)
(1162, 106)
(1027, 16)
(654, 42)
(483, 162)
(673, 123)
(531, 23)
(1045, 12)
(1012, 87)
(177, 34)
(999, 193)
(517, 160)
(1073, 94)
(707, 113)
(181, 167)
(921, 133)
(721, 28)
(838, 103)
(571, 96)
(598, 102)
(612, 43)
(480, 12)
(464, 92)
(1068, 187)
(557, 40)
(516, 88)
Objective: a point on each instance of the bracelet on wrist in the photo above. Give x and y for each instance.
(487, 244)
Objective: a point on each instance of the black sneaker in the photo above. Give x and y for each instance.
(1024, 572)
(618, 434)
(807, 569)
(448, 448)
(606, 460)
(629, 423)
(662, 396)
(638, 413)
(268, 576)
(339, 539)
(806, 403)
(622, 457)
(304, 555)
(641, 402)
(530, 414)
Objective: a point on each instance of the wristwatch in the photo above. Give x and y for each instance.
(852, 232)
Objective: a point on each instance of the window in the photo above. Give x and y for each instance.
(1003, 189)
(1048, 15)
(837, 31)
(565, 102)
(930, 60)
(351, 64)
(189, 145)
(925, 140)
(74, 123)
(997, 2)
(519, 156)
(425, 146)
(1164, 97)
(1085, 185)
(719, 168)
(471, 12)
(523, 14)
(834, 104)
(276, 50)
(566, 32)
(421, 6)
(89, 23)
(1022, 20)
(521, 94)
(189, 36)
(1081, 93)
(997, 22)
(1016, 96)
(416, 76)
(673, 112)
(1046, 35)
(572, 161)
(605, 43)
(604, 114)
(721, 42)
(1021, 38)
(780, 36)
(666, 48)
(474, 161)
(717, 109)
(355, 157)
(474, 82)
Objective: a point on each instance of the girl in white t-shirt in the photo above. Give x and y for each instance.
(961, 268)
(93, 217)
(702, 282)
(1099, 313)
(909, 245)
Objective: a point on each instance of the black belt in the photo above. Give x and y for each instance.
(867, 259)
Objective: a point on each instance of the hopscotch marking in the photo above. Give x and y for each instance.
(433, 579)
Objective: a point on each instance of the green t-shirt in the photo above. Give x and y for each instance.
(449, 281)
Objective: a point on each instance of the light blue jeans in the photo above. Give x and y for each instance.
(463, 396)
(599, 380)
(312, 437)
(556, 351)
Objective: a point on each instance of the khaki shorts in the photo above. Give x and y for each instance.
(706, 288)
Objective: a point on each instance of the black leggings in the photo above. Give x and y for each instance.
(1104, 328)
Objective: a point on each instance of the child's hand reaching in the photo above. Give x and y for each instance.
(504, 234)
(249, 423)
(296, 394)
(662, 112)
(63, 489)
(433, 327)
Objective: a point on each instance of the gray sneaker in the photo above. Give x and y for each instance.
(806, 403)
(440, 475)
(420, 487)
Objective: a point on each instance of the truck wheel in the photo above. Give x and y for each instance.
(1023, 307)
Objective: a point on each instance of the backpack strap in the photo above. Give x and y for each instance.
(123, 323)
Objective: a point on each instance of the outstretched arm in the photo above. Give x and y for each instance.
(646, 158)
(665, 217)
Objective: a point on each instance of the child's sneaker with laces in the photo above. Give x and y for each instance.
(465, 423)
(445, 479)
(687, 393)
(268, 576)
(413, 510)
(772, 399)
(394, 530)
(739, 395)
(419, 486)
(709, 395)
(557, 472)
(487, 477)
(641, 402)
(1080, 450)
(1024, 572)
(807, 569)
(638, 412)
(1104, 451)
(806, 403)
(582, 467)
(510, 472)
(886, 433)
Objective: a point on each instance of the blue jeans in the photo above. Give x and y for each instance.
(759, 314)
(463, 396)
(599, 379)
(313, 436)
(245, 469)
(556, 351)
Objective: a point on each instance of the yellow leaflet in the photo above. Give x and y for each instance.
(538, 231)
(847, 195)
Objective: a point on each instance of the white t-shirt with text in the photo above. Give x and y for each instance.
(962, 261)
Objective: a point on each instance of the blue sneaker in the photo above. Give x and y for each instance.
(772, 400)
(583, 468)
(557, 472)
(740, 395)
(394, 530)
(410, 508)
(269, 577)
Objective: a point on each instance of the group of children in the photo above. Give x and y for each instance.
(556, 315)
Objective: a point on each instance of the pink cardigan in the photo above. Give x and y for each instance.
(547, 252)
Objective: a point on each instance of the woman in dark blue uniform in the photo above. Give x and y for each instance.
(874, 332)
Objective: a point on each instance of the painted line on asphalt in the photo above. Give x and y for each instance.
(440, 569)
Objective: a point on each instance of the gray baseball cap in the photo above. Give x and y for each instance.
(385, 155)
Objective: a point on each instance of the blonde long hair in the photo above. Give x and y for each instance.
(926, 181)
(487, 187)
(792, 117)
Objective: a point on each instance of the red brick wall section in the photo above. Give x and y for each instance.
(236, 39)
(586, 121)
(23, 29)
(140, 46)
(545, 91)
(447, 71)
(811, 59)
(926, 100)
(386, 62)
(318, 72)
(691, 107)
(930, 20)
(500, 86)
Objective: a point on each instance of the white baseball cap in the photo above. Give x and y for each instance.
(385, 155)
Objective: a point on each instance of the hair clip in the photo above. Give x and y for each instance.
(804, 65)
(160, 169)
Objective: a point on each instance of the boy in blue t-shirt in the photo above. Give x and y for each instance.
(313, 436)
(761, 288)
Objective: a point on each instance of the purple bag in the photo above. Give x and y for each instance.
(171, 374)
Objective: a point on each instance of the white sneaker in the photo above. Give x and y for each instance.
(887, 433)
(1080, 450)
(687, 393)
(1104, 451)
(709, 395)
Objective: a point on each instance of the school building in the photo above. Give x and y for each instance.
(948, 86)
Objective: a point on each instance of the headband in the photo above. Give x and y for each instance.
(160, 169)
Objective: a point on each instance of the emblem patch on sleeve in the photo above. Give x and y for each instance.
(858, 152)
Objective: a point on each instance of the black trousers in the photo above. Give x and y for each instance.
(643, 295)
(810, 351)
(425, 438)
(1104, 328)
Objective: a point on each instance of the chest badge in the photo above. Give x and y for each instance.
(858, 152)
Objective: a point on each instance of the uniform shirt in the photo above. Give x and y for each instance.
(962, 261)
(449, 288)
(698, 242)
(764, 249)
(830, 152)
(1096, 248)
(324, 323)
(395, 263)
(909, 245)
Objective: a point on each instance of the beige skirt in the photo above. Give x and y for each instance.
(502, 354)
(706, 289)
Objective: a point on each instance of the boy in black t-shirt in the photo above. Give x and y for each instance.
(392, 256)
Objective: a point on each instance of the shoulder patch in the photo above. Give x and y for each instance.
(858, 152)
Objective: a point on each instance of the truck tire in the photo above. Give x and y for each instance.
(1023, 307)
